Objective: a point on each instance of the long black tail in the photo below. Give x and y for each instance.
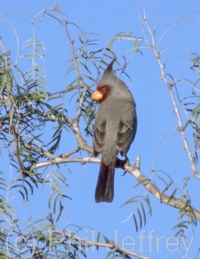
(105, 184)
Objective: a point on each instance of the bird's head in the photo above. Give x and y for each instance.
(104, 86)
(109, 86)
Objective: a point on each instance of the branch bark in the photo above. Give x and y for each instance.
(153, 47)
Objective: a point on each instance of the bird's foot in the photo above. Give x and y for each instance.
(121, 163)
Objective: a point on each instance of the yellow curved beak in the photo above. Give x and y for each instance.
(97, 95)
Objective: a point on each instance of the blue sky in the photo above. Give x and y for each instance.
(154, 108)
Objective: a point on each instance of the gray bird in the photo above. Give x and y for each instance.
(114, 130)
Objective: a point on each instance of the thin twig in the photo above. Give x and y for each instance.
(79, 78)
(169, 88)
(172, 201)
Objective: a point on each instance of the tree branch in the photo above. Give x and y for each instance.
(172, 201)
(111, 245)
(62, 160)
(153, 47)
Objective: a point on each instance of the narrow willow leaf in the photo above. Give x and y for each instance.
(55, 204)
(146, 198)
(140, 217)
(98, 239)
(60, 211)
(135, 222)
(50, 198)
(143, 213)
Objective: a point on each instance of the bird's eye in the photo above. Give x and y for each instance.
(107, 89)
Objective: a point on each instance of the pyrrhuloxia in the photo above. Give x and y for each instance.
(114, 129)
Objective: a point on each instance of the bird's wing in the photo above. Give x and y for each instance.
(99, 137)
(125, 136)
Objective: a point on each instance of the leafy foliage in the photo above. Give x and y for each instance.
(26, 109)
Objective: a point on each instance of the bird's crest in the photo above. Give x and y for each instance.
(109, 67)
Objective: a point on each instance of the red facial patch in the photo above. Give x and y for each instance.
(105, 89)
